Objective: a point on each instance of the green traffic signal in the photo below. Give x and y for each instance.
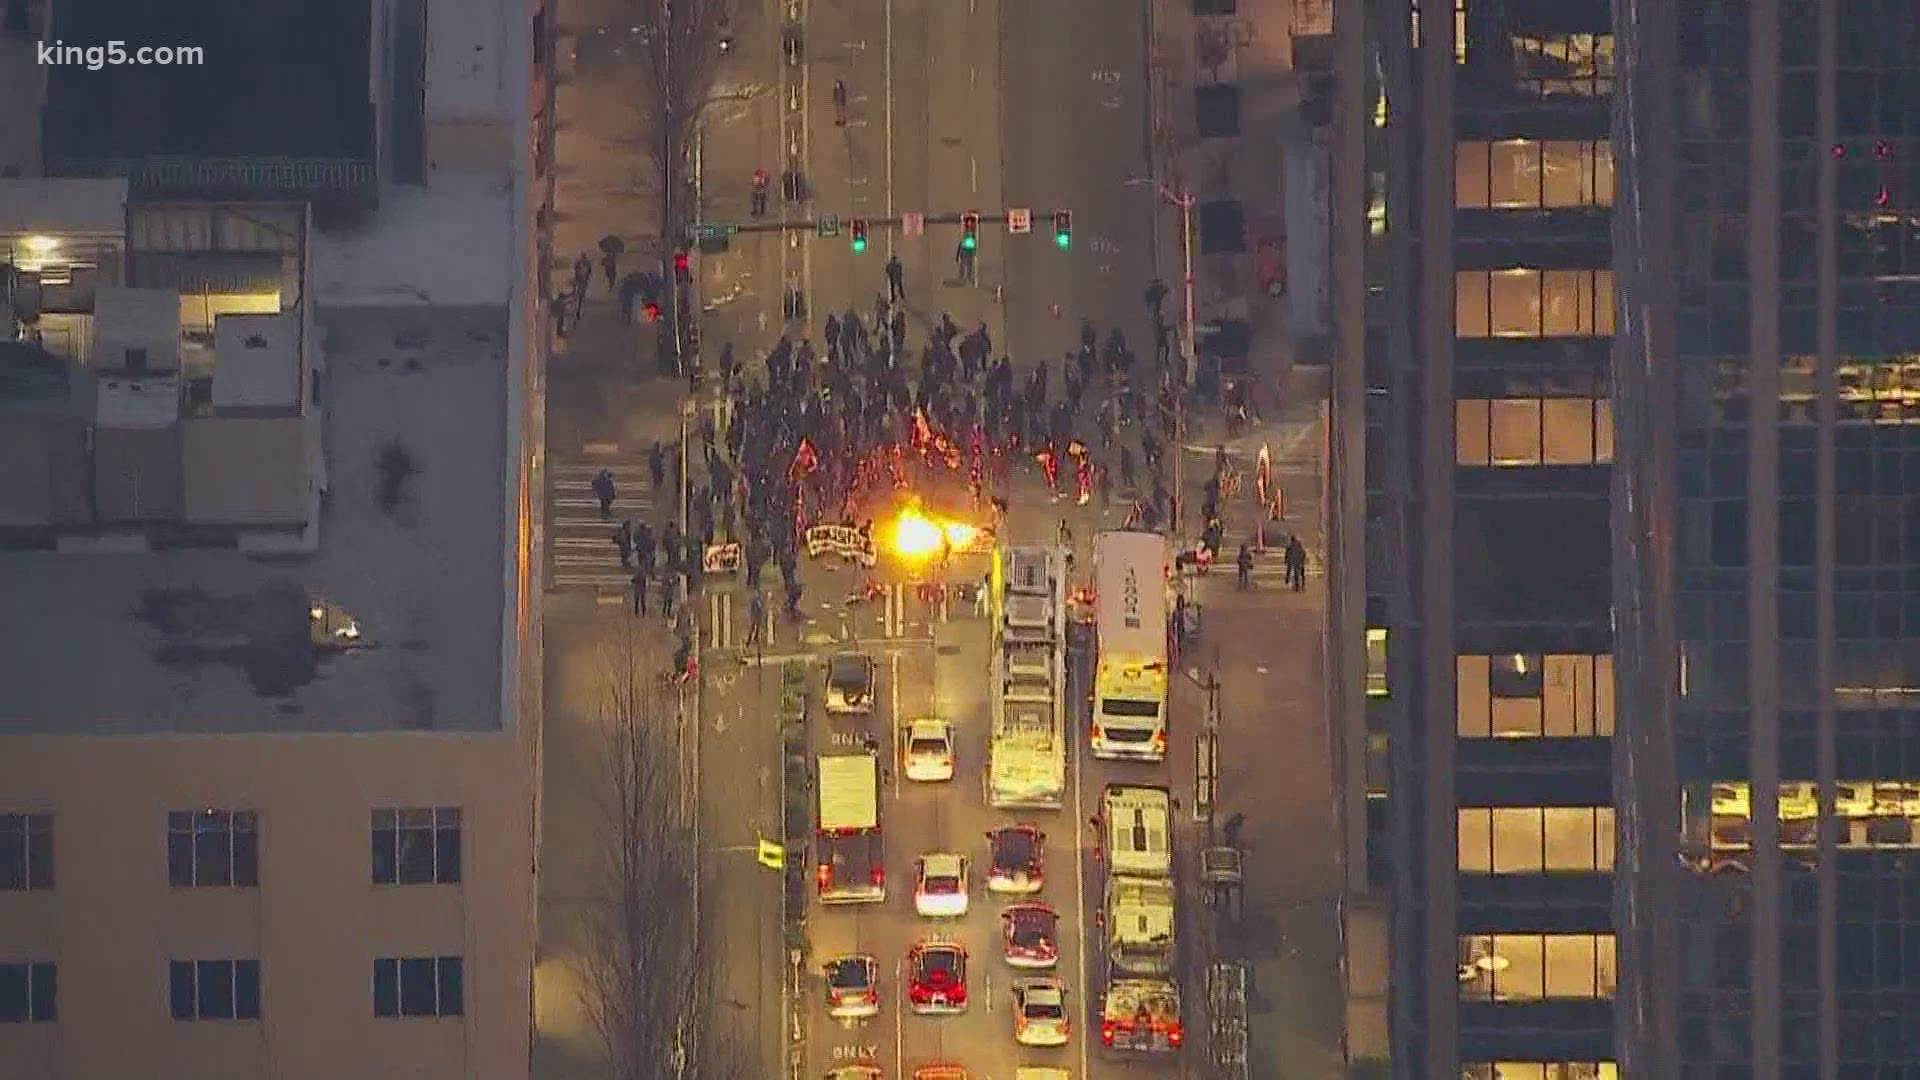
(970, 241)
(1063, 240)
(859, 244)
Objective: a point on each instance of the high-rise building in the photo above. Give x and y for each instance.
(1473, 438)
(269, 630)
(1768, 398)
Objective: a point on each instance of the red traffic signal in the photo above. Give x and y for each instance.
(653, 311)
(682, 267)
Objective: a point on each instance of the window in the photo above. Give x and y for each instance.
(27, 993)
(214, 989)
(1518, 432)
(26, 851)
(1536, 967)
(1540, 1070)
(213, 847)
(1529, 174)
(1526, 303)
(1556, 696)
(416, 847)
(1536, 840)
(1376, 661)
(418, 986)
(1558, 64)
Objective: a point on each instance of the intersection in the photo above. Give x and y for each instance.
(949, 109)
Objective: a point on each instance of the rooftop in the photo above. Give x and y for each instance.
(413, 551)
(283, 79)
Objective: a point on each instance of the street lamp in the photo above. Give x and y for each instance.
(1185, 200)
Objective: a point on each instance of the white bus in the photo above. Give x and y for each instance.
(1130, 619)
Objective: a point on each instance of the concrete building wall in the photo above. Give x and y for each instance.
(316, 923)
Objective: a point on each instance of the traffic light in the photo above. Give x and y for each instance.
(682, 268)
(653, 311)
(859, 230)
(1063, 229)
(970, 230)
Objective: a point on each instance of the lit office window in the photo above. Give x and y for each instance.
(1531, 174)
(1518, 696)
(1525, 303)
(1539, 1070)
(1536, 967)
(1521, 432)
(1552, 65)
(1376, 661)
(1869, 815)
(1535, 839)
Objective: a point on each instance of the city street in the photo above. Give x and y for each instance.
(948, 107)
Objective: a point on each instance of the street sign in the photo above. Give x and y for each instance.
(827, 225)
(913, 223)
(1019, 220)
(712, 230)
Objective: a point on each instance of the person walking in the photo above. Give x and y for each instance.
(896, 280)
(1155, 295)
(1244, 563)
(760, 182)
(657, 465)
(756, 618)
(640, 583)
(603, 491)
(623, 540)
(582, 275)
(1296, 563)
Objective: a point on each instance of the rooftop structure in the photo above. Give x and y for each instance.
(221, 641)
(287, 79)
(259, 101)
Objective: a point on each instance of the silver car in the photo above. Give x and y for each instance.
(1040, 1013)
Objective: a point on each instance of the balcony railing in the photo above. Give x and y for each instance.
(244, 176)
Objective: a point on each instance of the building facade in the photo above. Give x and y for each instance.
(1473, 440)
(1769, 379)
(269, 648)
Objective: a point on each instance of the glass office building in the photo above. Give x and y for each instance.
(1474, 436)
(1628, 430)
(1771, 382)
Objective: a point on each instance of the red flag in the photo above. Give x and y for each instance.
(805, 460)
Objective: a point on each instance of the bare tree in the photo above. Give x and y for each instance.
(681, 61)
(645, 988)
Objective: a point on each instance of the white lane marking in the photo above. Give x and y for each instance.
(893, 726)
(1080, 884)
(899, 1032)
(973, 173)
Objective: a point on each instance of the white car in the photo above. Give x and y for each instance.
(940, 885)
(1040, 1013)
(929, 750)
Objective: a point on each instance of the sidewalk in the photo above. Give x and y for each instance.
(1265, 647)
(1252, 52)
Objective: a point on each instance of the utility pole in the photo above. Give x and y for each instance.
(1184, 199)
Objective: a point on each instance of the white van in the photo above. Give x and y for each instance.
(1138, 822)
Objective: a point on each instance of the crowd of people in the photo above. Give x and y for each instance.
(832, 433)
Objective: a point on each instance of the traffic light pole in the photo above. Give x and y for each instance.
(1185, 201)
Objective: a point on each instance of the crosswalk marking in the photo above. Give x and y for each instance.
(580, 549)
